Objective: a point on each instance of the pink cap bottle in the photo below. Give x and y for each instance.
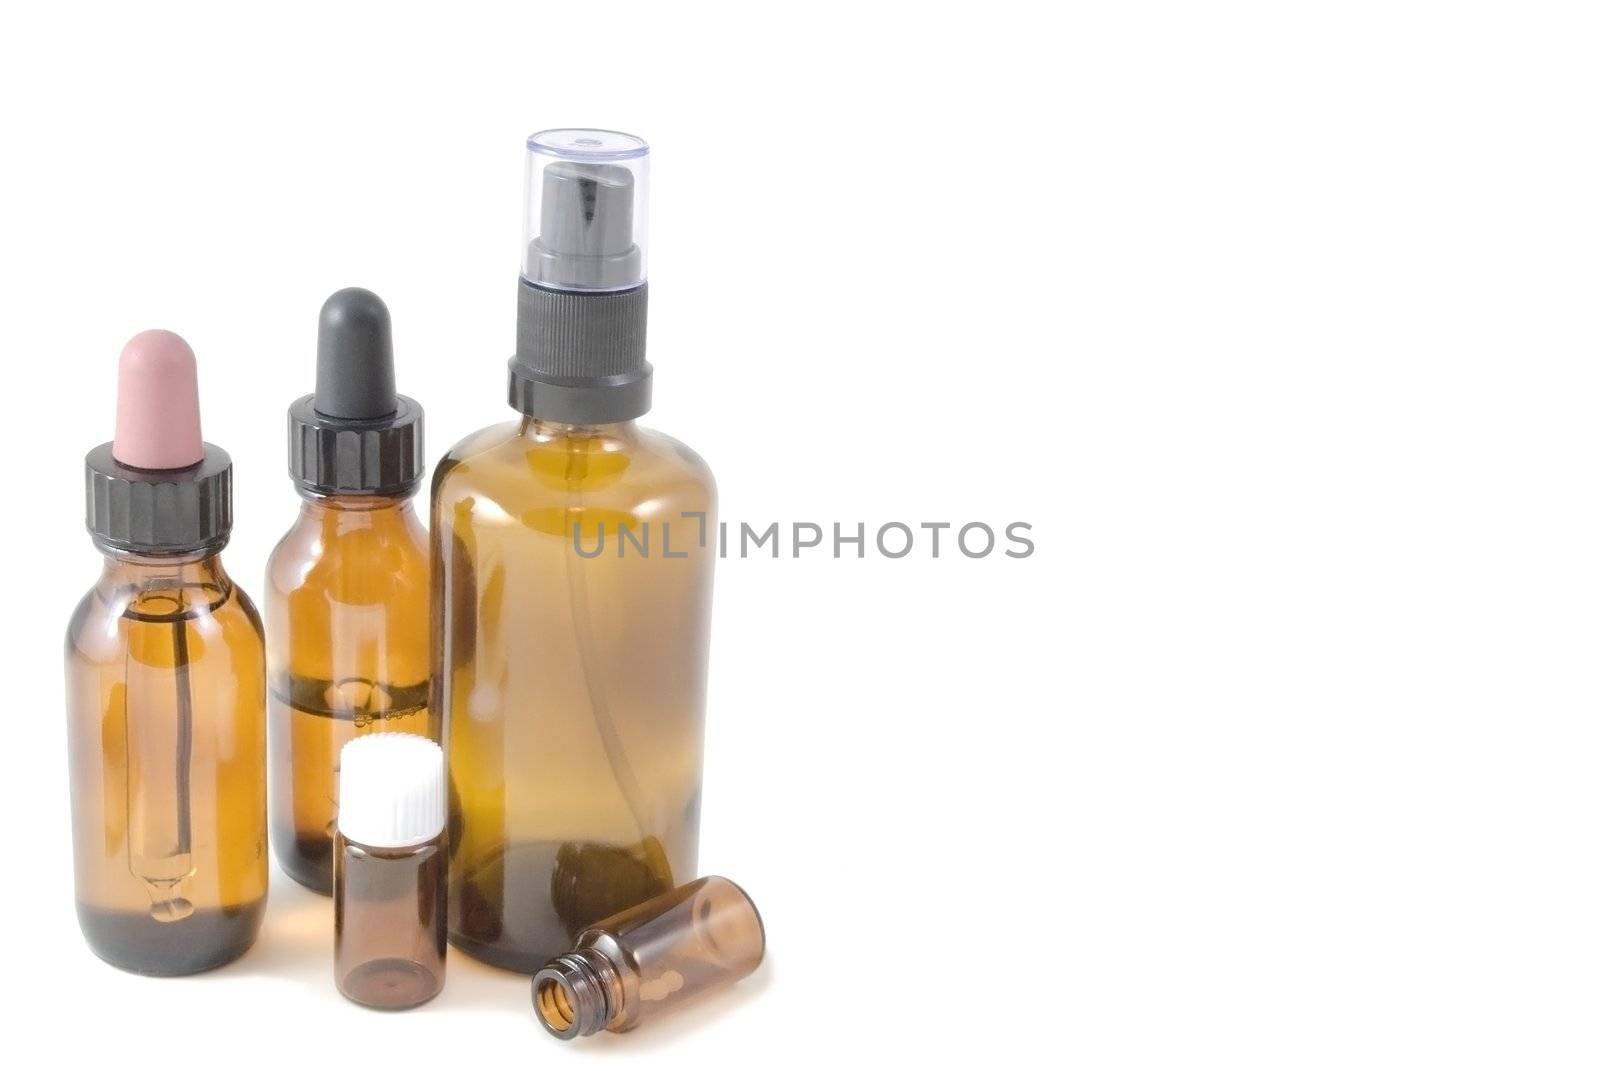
(166, 691)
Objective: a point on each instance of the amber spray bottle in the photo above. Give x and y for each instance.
(651, 958)
(572, 590)
(165, 691)
(347, 587)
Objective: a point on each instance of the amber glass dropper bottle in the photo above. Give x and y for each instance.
(165, 696)
(347, 587)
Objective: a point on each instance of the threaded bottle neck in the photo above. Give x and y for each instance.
(577, 994)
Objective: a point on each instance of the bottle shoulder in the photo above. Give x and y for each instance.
(242, 605)
(86, 615)
(108, 614)
(481, 442)
(505, 466)
(324, 546)
(680, 453)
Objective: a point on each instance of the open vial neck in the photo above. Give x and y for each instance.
(578, 994)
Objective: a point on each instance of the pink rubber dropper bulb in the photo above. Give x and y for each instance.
(158, 404)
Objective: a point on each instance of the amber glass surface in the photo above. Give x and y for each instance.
(631, 967)
(167, 741)
(388, 929)
(573, 684)
(347, 629)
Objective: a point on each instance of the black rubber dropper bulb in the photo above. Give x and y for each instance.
(355, 357)
(355, 435)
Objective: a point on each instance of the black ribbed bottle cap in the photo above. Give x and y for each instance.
(355, 435)
(159, 511)
(580, 356)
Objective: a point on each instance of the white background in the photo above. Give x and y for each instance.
(1276, 321)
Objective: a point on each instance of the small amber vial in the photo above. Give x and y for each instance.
(389, 871)
(694, 939)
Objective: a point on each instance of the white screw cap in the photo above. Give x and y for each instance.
(391, 790)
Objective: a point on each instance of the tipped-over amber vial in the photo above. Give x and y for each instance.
(695, 939)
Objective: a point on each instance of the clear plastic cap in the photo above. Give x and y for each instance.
(586, 210)
(391, 790)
